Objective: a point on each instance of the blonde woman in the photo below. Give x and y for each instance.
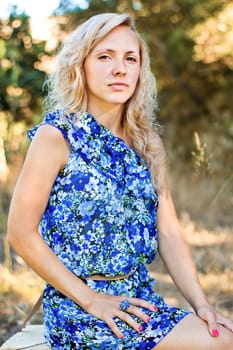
(94, 180)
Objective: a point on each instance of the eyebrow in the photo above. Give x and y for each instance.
(111, 50)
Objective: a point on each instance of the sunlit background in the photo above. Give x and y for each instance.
(34, 9)
(191, 45)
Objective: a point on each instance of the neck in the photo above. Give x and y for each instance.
(111, 118)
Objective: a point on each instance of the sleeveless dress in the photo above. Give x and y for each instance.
(101, 219)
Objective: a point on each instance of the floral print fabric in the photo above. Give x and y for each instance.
(101, 219)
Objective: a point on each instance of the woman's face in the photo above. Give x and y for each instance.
(112, 69)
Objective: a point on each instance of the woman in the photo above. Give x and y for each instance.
(94, 179)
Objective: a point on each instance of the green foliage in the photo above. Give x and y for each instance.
(21, 82)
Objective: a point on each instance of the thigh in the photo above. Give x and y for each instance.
(192, 334)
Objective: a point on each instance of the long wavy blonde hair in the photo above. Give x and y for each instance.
(66, 89)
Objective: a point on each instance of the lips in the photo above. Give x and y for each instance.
(120, 84)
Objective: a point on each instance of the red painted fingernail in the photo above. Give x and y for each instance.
(121, 337)
(155, 308)
(215, 333)
(140, 328)
(148, 319)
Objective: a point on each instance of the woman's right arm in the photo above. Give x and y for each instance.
(47, 154)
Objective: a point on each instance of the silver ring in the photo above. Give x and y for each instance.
(124, 305)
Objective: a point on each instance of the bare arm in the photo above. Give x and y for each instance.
(47, 154)
(176, 255)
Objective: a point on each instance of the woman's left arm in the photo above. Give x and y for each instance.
(177, 257)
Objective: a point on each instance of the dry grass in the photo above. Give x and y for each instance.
(212, 252)
(23, 282)
(18, 292)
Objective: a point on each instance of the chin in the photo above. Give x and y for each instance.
(120, 100)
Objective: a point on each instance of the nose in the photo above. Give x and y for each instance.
(119, 67)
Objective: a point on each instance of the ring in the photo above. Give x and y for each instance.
(124, 305)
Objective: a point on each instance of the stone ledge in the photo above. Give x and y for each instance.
(30, 338)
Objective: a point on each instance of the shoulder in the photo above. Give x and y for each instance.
(49, 145)
(54, 128)
(59, 125)
(49, 133)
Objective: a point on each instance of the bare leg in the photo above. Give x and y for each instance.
(192, 334)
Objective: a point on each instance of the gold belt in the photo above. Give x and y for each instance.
(108, 278)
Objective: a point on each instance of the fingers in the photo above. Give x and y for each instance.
(207, 313)
(139, 313)
(129, 320)
(125, 316)
(107, 307)
(212, 324)
(142, 303)
(135, 309)
(114, 328)
(213, 319)
(224, 321)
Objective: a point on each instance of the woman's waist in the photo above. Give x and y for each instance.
(84, 266)
(110, 276)
(112, 284)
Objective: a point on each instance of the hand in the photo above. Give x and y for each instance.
(213, 318)
(105, 307)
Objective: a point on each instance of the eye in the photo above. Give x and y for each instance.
(131, 59)
(104, 57)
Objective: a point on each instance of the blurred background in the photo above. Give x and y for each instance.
(191, 45)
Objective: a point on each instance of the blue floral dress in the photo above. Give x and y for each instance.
(101, 219)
